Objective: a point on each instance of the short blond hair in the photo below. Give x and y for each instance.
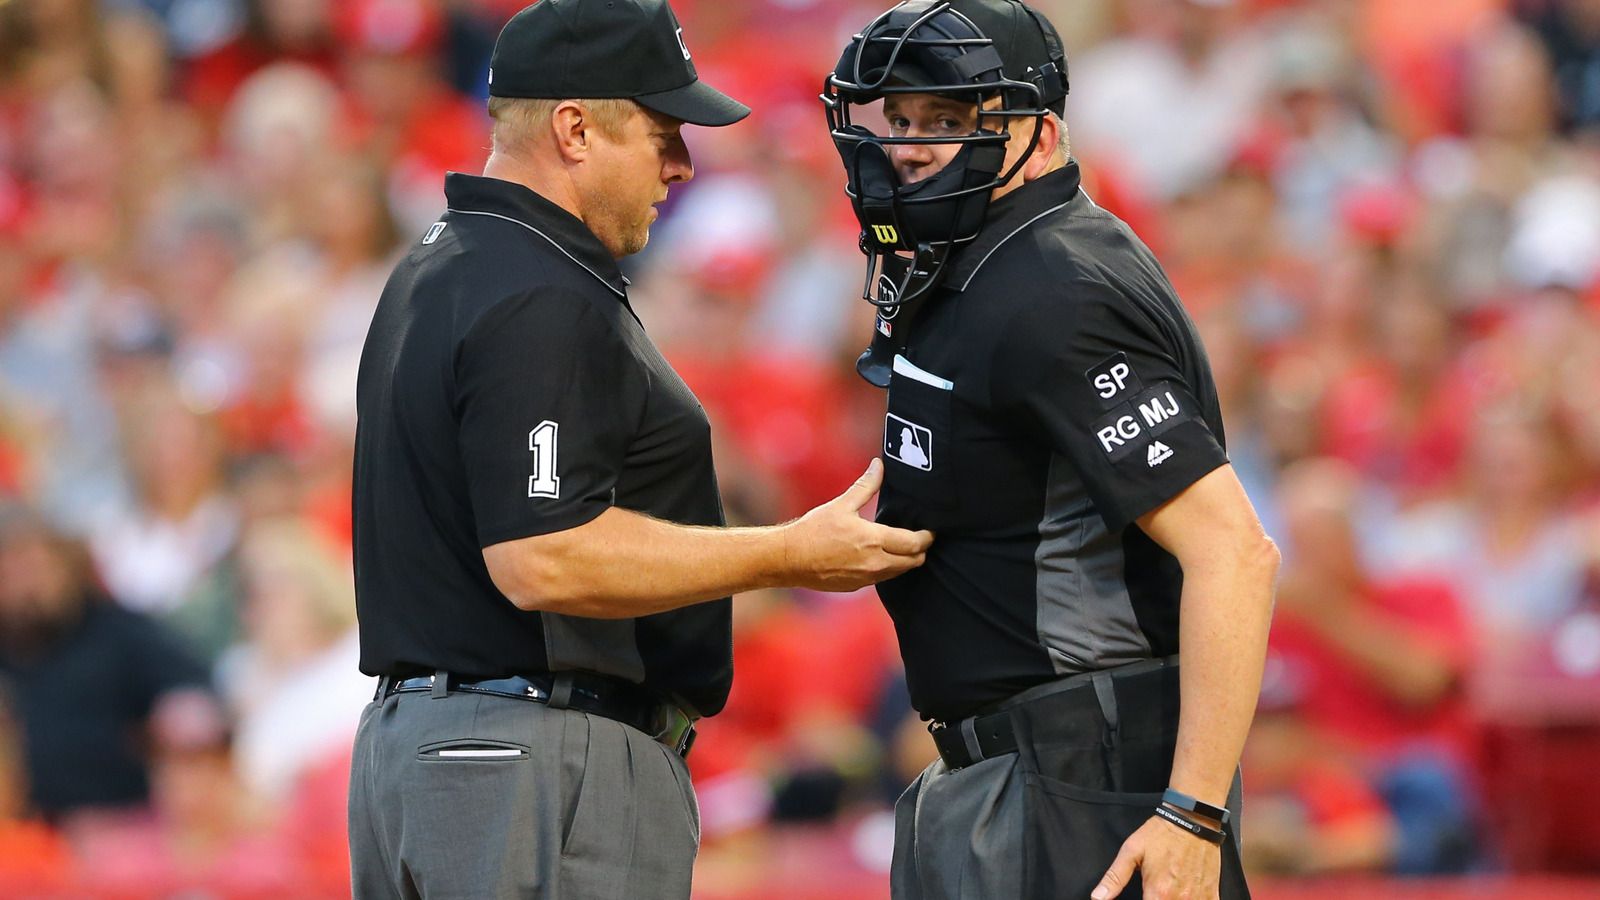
(1064, 142)
(515, 118)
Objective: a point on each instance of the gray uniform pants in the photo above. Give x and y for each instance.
(468, 796)
(958, 835)
(1095, 755)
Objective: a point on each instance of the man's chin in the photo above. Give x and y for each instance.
(636, 242)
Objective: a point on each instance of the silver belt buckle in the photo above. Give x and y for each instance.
(678, 730)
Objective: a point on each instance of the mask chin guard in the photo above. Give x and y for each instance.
(898, 291)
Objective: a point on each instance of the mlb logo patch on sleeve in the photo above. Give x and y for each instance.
(908, 443)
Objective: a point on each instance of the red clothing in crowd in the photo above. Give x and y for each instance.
(444, 132)
(207, 84)
(141, 859)
(1338, 697)
(794, 663)
(12, 461)
(1414, 442)
(1332, 795)
(789, 414)
(34, 860)
(261, 422)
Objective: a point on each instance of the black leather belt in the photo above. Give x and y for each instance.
(973, 739)
(964, 742)
(601, 695)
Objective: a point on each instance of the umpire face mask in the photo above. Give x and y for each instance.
(909, 230)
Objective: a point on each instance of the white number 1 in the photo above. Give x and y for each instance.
(542, 442)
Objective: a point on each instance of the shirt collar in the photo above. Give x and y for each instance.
(476, 195)
(1009, 216)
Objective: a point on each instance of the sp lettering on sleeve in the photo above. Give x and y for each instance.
(1113, 380)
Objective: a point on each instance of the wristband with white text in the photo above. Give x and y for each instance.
(1187, 824)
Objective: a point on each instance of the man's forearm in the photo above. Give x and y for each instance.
(624, 564)
(1226, 611)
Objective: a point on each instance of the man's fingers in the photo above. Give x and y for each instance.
(1116, 877)
(860, 494)
(901, 542)
(900, 565)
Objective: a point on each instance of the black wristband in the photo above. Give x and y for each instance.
(1180, 800)
(1187, 824)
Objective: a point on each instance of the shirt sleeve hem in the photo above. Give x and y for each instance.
(1137, 506)
(564, 521)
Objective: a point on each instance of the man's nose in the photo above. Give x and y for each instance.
(678, 166)
(911, 154)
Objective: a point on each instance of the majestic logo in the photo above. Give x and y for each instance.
(1157, 454)
(886, 234)
(681, 45)
(907, 442)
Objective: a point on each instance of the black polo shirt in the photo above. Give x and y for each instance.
(82, 694)
(507, 390)
(1050, 392)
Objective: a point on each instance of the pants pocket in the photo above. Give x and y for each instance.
(471, 750)
(1071, 835)
(681, 780)
(577, 750)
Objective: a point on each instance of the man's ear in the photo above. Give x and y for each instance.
(569, 127)
(1043, 152)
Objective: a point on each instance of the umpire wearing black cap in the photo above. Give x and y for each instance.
(1088, 634)
(541, 578)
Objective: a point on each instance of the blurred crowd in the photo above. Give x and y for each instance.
(1384, 216)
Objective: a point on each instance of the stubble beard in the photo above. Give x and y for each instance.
(635, 236)
(629, 231)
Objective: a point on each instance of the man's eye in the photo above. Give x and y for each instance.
(950, 125)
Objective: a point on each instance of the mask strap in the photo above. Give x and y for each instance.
(1052, 76)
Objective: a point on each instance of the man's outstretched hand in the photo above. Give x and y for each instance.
(832, 548)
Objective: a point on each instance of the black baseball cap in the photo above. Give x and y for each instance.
(573, 49)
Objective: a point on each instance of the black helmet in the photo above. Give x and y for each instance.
(972, 50)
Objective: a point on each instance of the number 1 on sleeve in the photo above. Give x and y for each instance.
(542, 443)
